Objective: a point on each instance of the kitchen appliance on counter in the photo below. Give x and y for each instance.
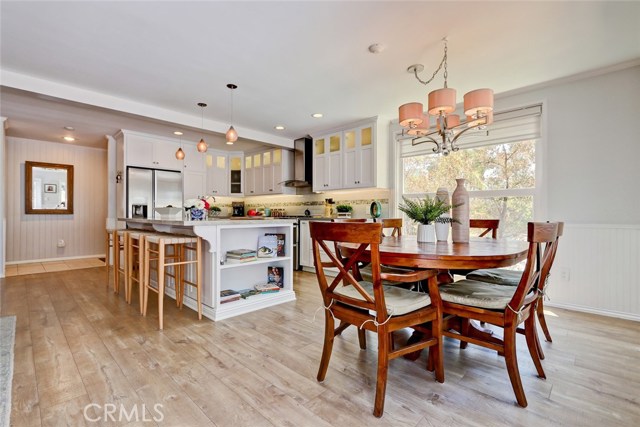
(139, 211)
(148, 189)
(237, 208)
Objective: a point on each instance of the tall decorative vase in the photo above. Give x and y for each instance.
(426, 233)
(460, 229)
(442, 228)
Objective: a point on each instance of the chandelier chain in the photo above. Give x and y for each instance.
(435, 73)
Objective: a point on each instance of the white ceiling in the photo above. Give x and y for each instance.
(155, 60)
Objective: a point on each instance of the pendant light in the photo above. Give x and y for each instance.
(232, 135)
(202, 146)
(180, 153)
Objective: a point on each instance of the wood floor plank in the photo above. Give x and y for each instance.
(78, 343)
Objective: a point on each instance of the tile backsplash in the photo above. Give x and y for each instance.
(360, 200)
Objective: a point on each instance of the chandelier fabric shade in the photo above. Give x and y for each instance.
(478, 101)
(411, 114)
(442, 101)
(478, 109)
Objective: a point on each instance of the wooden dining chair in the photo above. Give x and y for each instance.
(371, 305)
(395, 224)
(503, 306)
(488, 225)
(501, 276)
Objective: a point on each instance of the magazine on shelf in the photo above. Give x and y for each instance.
(228, 295)
(246, 293)
(241, 253)
(281, 239)
(275, 275)
(231, 260)
(267, 246)
(265, 288)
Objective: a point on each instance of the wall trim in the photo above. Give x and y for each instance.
(598, 311)
(609, 226)
(33, 261)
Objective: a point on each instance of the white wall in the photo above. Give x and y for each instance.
(35, 237)
(3, 208)
(591, 166)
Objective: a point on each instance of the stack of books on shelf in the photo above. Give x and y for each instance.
(241, 255)
(275, 282)
(228, 295)
(267, 288)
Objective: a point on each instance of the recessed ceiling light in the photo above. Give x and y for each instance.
(178, 133)
(70, 128)
(68, 138)
(279, 127)
(317, 115)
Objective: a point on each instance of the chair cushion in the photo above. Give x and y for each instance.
(499, 276)
(477, 294)
(399, 301)
(367, 275)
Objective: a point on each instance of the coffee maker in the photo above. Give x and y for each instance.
(237, 208)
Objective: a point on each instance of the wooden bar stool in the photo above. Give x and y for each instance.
(134, 263)
(114, 240)
(155, 248)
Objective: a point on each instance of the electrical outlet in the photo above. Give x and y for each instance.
(61, 243)
(564, 274)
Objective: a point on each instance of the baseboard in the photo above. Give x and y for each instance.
(598, 311)
(31, 261)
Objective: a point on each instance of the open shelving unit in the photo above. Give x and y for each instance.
(239, 276)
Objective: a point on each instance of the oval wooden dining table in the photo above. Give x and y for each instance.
(405, 251)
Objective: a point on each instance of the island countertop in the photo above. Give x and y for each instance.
(211, 222)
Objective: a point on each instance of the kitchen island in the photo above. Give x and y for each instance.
(226, 234)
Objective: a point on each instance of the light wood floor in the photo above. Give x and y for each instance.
(77, 343)
(51, 266)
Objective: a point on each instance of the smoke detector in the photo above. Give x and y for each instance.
(376, 48)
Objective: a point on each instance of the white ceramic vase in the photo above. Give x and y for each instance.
(460, 228)
(442, 230)
(426, 233)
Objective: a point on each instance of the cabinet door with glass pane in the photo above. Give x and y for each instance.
(327, 162)
(358, 157)
(235, 174)
(217, 183)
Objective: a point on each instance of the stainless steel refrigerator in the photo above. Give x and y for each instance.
(148, 189)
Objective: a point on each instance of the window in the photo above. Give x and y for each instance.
(499, 166)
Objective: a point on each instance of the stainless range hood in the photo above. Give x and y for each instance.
(302, 165)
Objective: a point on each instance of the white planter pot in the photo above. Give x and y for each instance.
(426, 233)
(442, 231)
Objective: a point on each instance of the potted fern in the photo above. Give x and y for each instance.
(424, 212)
(344, 211)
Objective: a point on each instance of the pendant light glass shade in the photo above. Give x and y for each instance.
(180, 154)
(202, 146)
(232, 136)
(442, 101)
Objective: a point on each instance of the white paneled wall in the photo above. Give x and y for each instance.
(35, 237)
(597, 269)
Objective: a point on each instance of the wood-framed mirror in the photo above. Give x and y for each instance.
(48, 188)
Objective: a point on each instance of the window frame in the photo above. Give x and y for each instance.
(538, 192)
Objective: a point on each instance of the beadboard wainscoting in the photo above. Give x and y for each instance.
(597, 270)
(35, 237)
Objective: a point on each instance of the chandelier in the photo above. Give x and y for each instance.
(478, 109)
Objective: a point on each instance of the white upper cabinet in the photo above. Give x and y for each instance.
(151, 152)
(224, 173)
(194, 161)
(327, 162)
(347, 158)
(266, 170)
(217, 173)
(358, 157)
